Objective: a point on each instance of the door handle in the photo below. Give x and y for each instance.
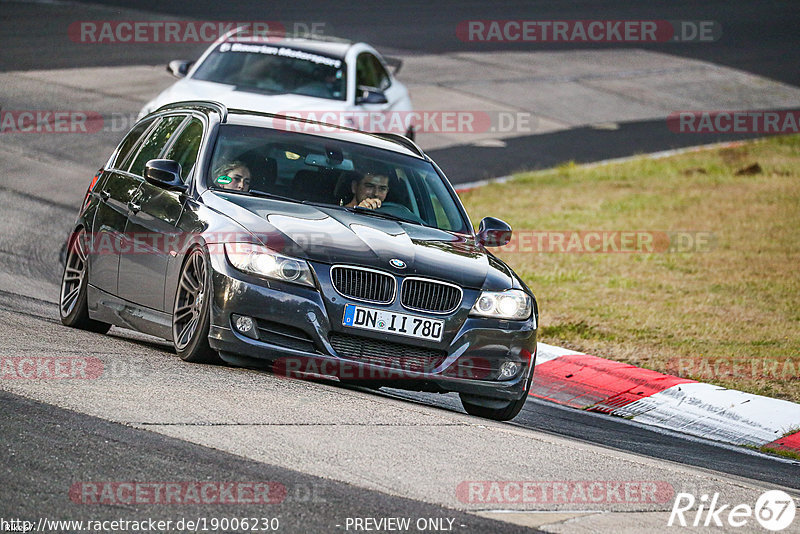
(104, 195)
(135, 208)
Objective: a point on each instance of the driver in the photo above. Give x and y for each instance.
(370, 191)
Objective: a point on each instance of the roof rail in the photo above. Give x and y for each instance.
(401, 140)
(203, 104)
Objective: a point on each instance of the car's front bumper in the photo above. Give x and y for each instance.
(299, 329)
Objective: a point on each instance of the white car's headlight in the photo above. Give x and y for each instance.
(262, 261)
(513, 304)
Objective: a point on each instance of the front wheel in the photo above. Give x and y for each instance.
(73, 307)
(190, 316)
(493, 409)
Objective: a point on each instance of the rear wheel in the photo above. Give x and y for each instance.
(73, 307)
(190, 316)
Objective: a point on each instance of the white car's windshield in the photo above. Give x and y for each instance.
(275, 69)
(313, 169)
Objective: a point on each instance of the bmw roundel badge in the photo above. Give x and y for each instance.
(399, 264)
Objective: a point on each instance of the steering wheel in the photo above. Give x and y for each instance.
(398, 210)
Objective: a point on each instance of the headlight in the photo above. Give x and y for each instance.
(262, 261)
(512, 304)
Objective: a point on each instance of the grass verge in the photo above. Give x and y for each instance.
(717, 296)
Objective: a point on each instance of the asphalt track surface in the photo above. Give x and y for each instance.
(75, 447)
(757, 37)
(48, 448)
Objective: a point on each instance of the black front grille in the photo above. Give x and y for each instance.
(386, 353)
(363, 284)
(284, 336)
(430, 296)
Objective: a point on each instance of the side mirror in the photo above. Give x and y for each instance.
(164, 173)
(179, 67)
(394, 63)
(493, 232)
(369, 95)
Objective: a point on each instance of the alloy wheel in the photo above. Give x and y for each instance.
(189, 301)
(74, 274)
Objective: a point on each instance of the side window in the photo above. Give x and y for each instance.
(126, 147)
(185, 148)
(382, 77)
(365, 70)
(154, 144)
(370, 72)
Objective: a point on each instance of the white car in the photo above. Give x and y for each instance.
(322, 79)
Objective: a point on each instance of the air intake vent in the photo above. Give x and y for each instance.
(284, 335)
(430, 296)
(387, 354)
(364, 284)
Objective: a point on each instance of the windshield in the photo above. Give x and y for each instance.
(270, 69)
(318, 170)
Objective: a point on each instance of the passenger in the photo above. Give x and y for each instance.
(233, 176)
(370, 191)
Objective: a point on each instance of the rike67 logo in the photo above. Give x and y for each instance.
(774, 510)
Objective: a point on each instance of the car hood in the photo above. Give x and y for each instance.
(332, 235)
(189, 89)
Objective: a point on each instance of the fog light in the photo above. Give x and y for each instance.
(244, 325)
(509, 370)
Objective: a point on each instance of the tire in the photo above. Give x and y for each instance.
(496, 409)
(72, 303)
(190, 312)
(501, 413)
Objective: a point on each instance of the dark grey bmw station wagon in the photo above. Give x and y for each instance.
(318, 250)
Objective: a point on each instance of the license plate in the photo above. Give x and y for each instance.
(393, 323)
